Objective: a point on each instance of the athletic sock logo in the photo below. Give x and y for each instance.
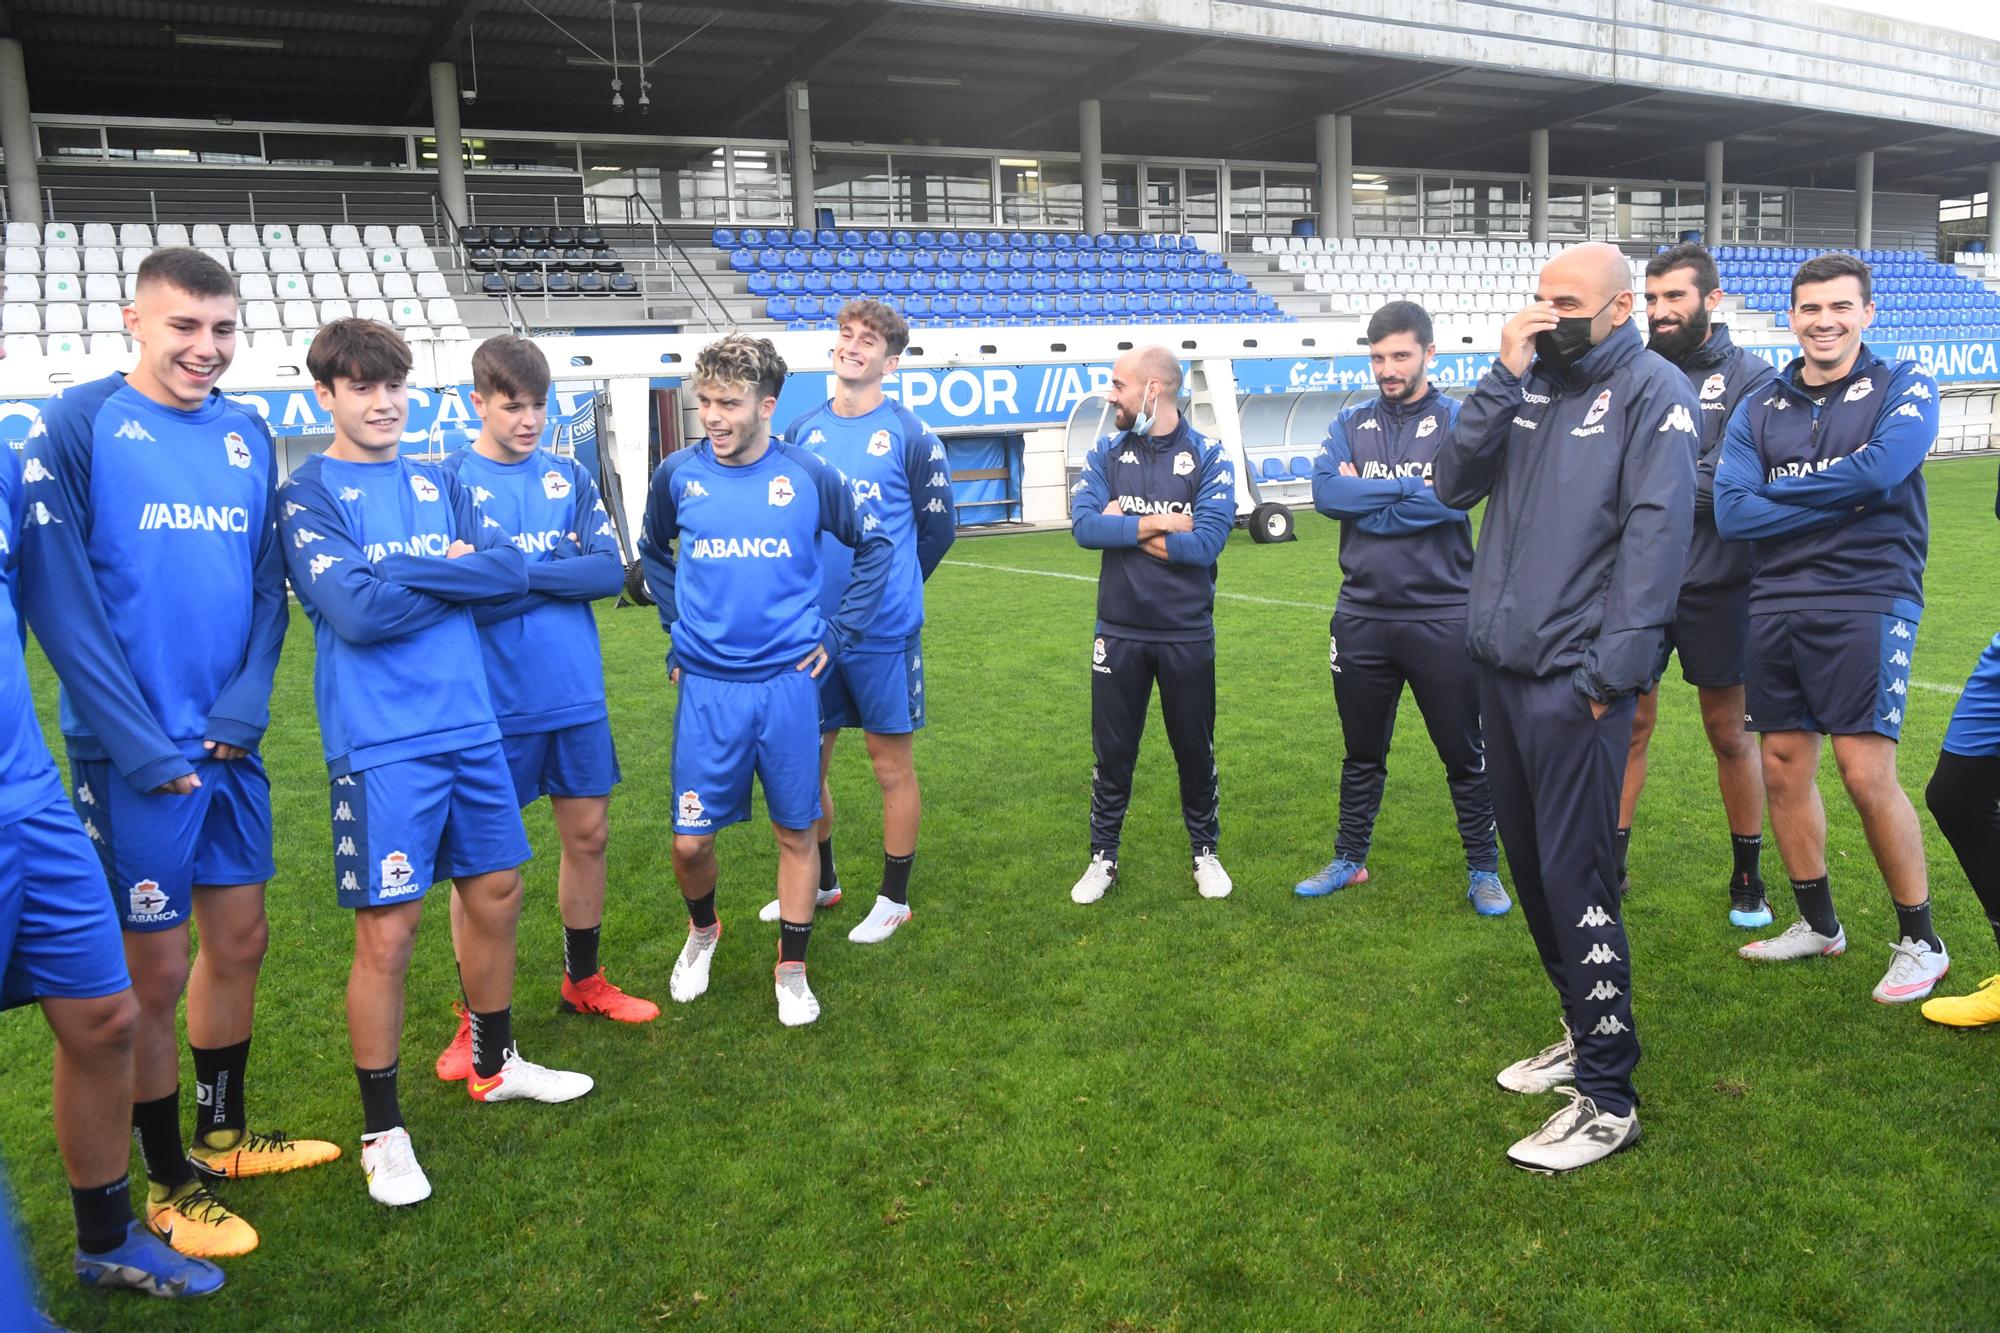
(1594, 915)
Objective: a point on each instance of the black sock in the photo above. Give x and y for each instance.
(1815, 899)
(381, 1109)
(158, 1124)
(793, 937)
(1747, 851)
(1915, 924)
(701, 911)
(103, 1215)
(1621, 841)
(827, 877)
(492, 1038)
(896, 877)
(218, 1088)
(580, 951)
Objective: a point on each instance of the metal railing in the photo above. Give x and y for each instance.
(223, 205)
(516, 321)
(680, 270)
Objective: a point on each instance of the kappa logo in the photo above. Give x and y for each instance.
(1713, 387)
(346, 780)
(1370, 424)
(147, 900)
(40, 513)
(350, 493)
(817, 437)
(1608, 1026)
(398, 875)
(1858, 390)
(781, 490)
(424, 487)
(1899, 658)
(878, 443)
(1894, 717)
(83, 794)
(1183, 464)
(237, 452)
(1896, 686)
(1598, 409)
(1899, 630)
(869, 523)
(604, 529)
(480, 495)
(1678, 419)
(90, 831)
(688, 809)
(36, 470)
(132, 430)
(1226, 477)
(693, 490)
(1594, 915)
(1128, 457)
(1333, 653)
(1603, 990)
(293, 509)
(936, 506)
(1910, 410)
(1918, 391)
(488, 521)
(1778, 404)
(319, 564)
(1427, 427)
(937, 453)
(555, 485)
(1601, 954)
(343, 813)
(350, 884)
(305, 537)
(346, 847)
(938, 479)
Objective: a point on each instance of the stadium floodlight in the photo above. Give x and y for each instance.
(229, 43)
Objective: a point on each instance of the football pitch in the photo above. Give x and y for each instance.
(1155, 1113)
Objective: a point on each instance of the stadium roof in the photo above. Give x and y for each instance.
(902, 71)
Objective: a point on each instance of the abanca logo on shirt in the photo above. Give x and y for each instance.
(194, 518)
(736, 548)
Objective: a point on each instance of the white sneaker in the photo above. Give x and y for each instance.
(1103, 873)
(1577, 1135)
(525, 1081)
(1799, 941)
(1914, 969)
(690, 976)
(796, 1003)
(1553, 1066)
(881, 921)
(390, 1164)
(827, 898)
(1210, 879)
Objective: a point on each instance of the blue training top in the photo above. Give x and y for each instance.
(543, 662)
(901, 480)
(396, 671)
(152, 574)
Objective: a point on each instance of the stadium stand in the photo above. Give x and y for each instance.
(1916, 298)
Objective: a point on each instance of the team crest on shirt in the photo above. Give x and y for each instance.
(555, 485)
(1598, 409)
(688, 809)
(425, 488)
(146, 899)
(878, 443)
(1097, 657)
(1858, 390)
(1712, 388)
(398, 875)
(1183, 464)
(1428, 426)
(781, 490)
(237, 452)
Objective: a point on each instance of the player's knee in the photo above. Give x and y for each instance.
(589, 841)
(384, 939)
(241, 949)
(1727, 737)
(108, 1026)
(1951, 803)
(158, 978)
(692, 852)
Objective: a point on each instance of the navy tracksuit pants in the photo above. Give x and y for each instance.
(1371, 659)
(1122, 673)
(1556, 773)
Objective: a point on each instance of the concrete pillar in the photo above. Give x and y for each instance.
(1538, 185)
(1222, 201)
(17, 137)
(1090, 148)
(799, 135)
(1343, 177)
(450, 141)
(1864, 200)
(1993, 209)
(1711, 216)
(1328, 157)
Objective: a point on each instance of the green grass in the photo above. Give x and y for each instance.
(1158, 1113)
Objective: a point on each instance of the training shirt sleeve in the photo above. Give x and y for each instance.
(242, 709)
(1469, 462)
(1338, 496)
(1906, 426)
(60, 598)
(1743, 512)
(590, 567)
(331, 572)
(873, 554)
(495, 569)
(1093, 529)
(1412, 513)
(656, 536)
(1214, 515)
(1656, 524)
(930, 495)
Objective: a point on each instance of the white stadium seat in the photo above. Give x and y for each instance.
(62, 318)
(285, 260)
(217, 253)
(62, 287)
(386, 260)
(260, 315)
(455, 333)
(335, 309)
(102, 287)
(409, 235)
(376, 236)
(300, 315)
(270, 340)
(131, 287)
(20, 317)
(276, 234)
(409, 311)
(103, 317)
(99, 233)
(374, 310)
(23, 259)
(22, 345)
(319, 259)
(136, 233)
(432, 284)
(353, 259)
(248, 260)
(23, 233)
(254, 287)
(310, 234)
(327, 286)
(70, 342)
(291, 286)
(420, 260)
(417, 333)
(442, 310)
(171, 233)
(302, 338)
(61, 259)
(104, 343)
(398, 285)
(243, 236)
(361, 285)
(132, 257)
(60, 233)
(21, 287)
(344, 235)
(207, 234)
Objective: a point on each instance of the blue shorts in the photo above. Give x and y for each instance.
(399, 828)
(1840, 673)
(1975, 723)
(156, 848)
(725, 730)
(58, 931)
(880, 692)
(570, 761)
(1711, 632)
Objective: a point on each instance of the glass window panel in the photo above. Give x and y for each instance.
(340, 150)
(1386, 205)
(938, 191)
(1246, 200)
(1603, 210)
(1163, 199)
(1288, 195)
(1121, 197)
(855, 186)
(678, 181)
(71, 141)
(1566, 209)
(142, 144)
(1198, 213)
(764, 183)
(545, 155)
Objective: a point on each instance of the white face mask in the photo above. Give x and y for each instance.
(1142, 424)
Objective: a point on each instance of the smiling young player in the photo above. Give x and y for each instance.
(543, 662)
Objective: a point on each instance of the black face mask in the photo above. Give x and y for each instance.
(1569, 341)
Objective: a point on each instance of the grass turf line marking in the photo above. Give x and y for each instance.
(1953, 690)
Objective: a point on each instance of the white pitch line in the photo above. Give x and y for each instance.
(1953, 690)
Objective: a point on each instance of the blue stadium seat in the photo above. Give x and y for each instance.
(780, 307)
(846, 260)
(1148, 241)
(493, 285)
(878, 240)
(921, 281)
(1104, 240)
(819, 284)
(896, 284)
(826, 238)
(743, 261)
(1062, 240)
(899, 261)
(1302, 467)
(852, 240)
(899, 239)
(590, 284)
(926, 240)
(950, 240)
(623, 284)
(918, 306)
(797, 259)
(762, 284)
(823, 261)
(528, 284)
(810, 307)
(1272, 470)
(722, 238)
